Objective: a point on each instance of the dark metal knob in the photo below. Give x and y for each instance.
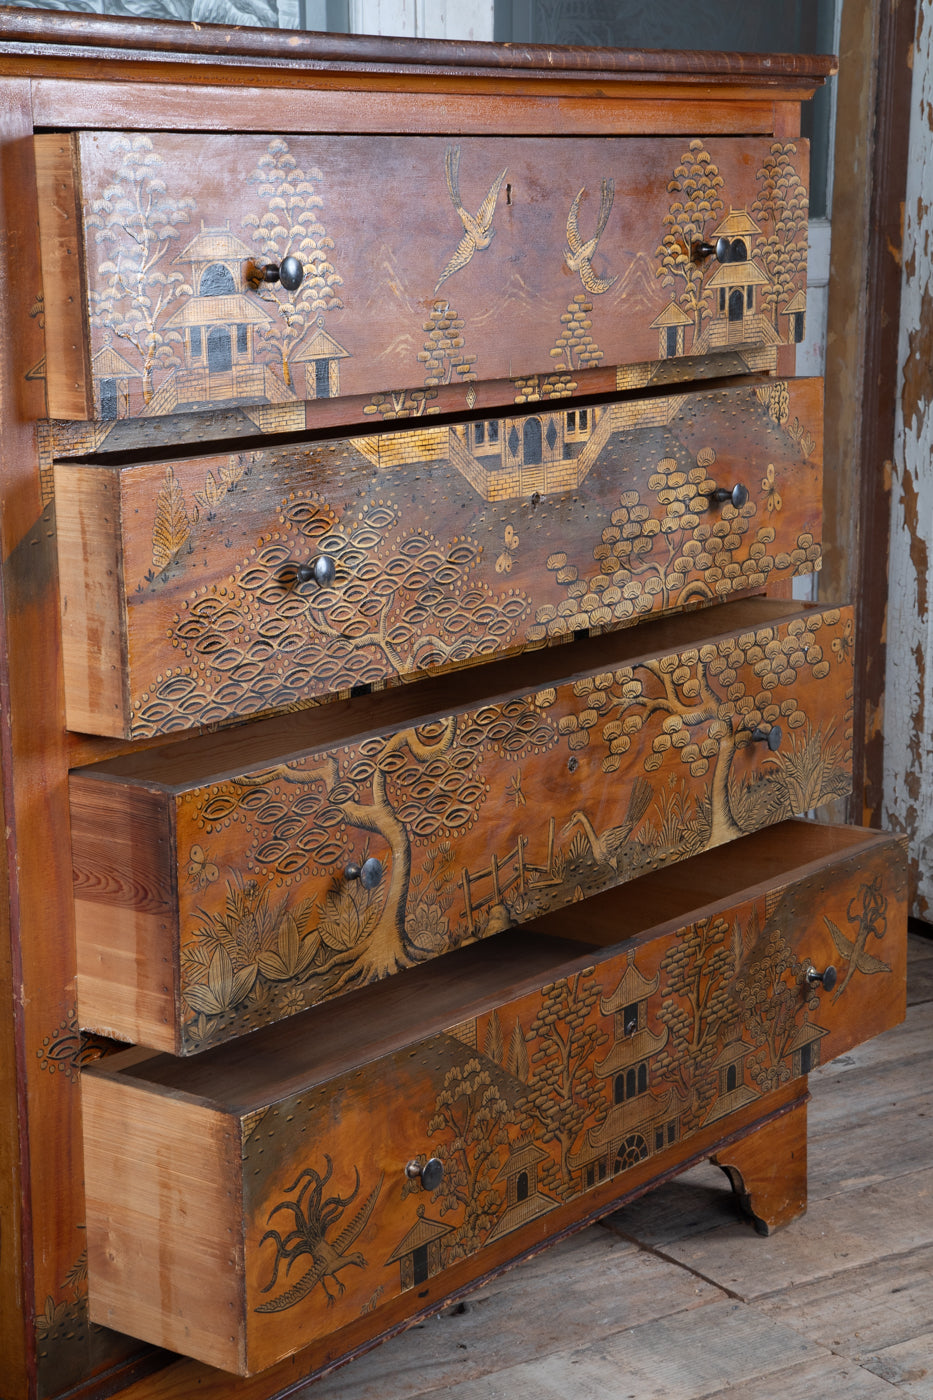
(721, 250)
(772, 737)
(737, 496)
(369, 873)
(826, 979)
(430, 1174)
(321, 571)
(289, 272)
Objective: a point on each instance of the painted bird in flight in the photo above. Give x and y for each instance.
(578, 255)
(477, 229)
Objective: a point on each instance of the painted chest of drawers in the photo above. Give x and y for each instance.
(409, 714)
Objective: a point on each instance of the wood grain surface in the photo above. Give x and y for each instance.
(181, 604)
(641, 755)
(87, 73)
(481, 258)
(768, 1171)
(528, 1106)
(186, 42)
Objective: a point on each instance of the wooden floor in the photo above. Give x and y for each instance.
(675, 1298)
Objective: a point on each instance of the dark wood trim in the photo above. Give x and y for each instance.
(873, 123)
(188, 43)
(18, 1359)
(879, 397)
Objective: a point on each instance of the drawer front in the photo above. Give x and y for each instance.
(477, 259)
(544, 1106)
(214, 880)
(181, 603)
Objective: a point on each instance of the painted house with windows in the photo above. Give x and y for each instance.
(671, 327)
(733, 1092)
(418, 1255)
(118, 385)
(803, 1053)
(320, 358)
(217, 325)
(736, 289)
(544, 452)
(524, 1201)
(639, 1122)
(796, 311)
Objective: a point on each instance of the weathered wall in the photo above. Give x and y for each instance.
(908, 764)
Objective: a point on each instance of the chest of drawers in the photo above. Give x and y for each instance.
(409, 717)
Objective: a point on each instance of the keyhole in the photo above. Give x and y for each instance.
(508, 194)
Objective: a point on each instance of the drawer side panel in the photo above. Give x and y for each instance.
(163, 1221)
(68, 375)
(91, 586)
(125, 912)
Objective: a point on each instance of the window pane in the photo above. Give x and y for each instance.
(781, 26)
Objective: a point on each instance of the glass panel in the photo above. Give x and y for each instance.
(266, 14)
(782, 26)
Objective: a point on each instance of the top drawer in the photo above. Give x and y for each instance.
(424, 261)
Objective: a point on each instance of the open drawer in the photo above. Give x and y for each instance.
(323, 1179)
(405, 263)
(232, 879)
(202, 589)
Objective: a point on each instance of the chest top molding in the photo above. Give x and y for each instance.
(35, 37)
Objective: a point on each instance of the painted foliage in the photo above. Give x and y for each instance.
(547, 1098)
(461, 274)
(489, 817)
(578, 519)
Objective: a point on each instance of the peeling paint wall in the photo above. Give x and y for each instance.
(908, 761)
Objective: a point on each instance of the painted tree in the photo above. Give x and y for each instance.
(290, 225)
(444, 360)
(516, 1060)
(443, 355)
(470, 1132)
(696, 202)
(575, 348)
(384, 798)
(563, 1092)
(704, 706)
(399, 602)
(768, 992)
(781, 210)
(696, 1005)
(136, 225)
(171, 529)
(671, 546)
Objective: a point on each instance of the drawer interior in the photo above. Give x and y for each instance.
(382, 1018)
(210, 757)
(765, 859)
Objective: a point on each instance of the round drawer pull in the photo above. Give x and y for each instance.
(772, 737)
(321, 571)
(826, 979)
(736, 497)
(429, 1173)
(721, 250)
(289, 272)
(369, 873)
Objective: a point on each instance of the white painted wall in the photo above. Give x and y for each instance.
(423, 19)
(908, 709)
